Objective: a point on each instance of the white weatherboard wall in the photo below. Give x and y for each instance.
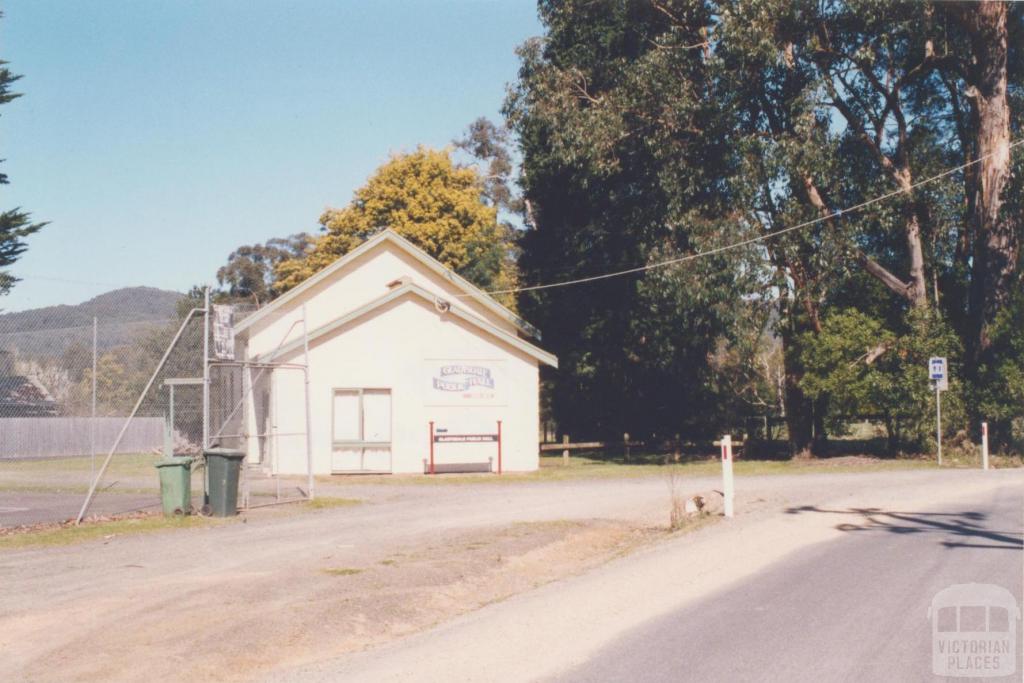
(389, 351)
(401, 346)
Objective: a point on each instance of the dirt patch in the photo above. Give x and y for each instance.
(525, 638)
(232, 627)
(70, 523)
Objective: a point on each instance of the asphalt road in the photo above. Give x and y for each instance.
(38, 507)
(851, 609)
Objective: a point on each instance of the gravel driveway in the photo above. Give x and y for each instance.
(289, 588)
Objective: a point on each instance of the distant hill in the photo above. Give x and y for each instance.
(121, 315)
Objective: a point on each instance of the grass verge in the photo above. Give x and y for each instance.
(582, 467)
(67, 534)
(129, 464)
(342, 571)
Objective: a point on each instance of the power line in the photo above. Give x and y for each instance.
(743, 243)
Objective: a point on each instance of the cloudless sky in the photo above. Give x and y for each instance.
(157, 136)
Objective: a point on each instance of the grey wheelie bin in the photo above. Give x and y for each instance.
(222, 468)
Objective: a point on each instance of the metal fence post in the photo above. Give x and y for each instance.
(131, 416)
(206, 368)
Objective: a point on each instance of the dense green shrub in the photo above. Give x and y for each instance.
(866, 369)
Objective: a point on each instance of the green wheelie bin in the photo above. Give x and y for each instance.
(175, 485)
(222, 468)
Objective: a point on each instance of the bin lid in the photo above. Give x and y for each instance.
(175, 461)
(225, 452)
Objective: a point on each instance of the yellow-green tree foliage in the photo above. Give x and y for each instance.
(432, 202)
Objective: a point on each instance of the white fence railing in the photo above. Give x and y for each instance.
(62, 437)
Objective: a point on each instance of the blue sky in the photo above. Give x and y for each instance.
(157, 136)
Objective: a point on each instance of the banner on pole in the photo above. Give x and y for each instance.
(223, 332)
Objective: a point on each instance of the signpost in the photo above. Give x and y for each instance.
(937, 372)
(440, 435)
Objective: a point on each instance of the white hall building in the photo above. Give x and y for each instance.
(407, 362)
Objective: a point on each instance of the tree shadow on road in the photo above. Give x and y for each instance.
(962, 529)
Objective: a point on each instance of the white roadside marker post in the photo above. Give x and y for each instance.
(938, 373)
(984, 445)
(727, 484)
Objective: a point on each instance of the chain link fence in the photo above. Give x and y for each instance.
(123, 384)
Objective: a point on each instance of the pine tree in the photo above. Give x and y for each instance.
(15, 224)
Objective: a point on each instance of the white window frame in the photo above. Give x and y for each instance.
(360, 392)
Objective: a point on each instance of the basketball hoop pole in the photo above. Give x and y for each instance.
(499, 446)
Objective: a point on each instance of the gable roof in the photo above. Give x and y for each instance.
(417, 291)
(392, 237)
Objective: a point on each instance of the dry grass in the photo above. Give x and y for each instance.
(327, 502)
(342, 571)
(67, 534)
(128, 465)
(582, 467)
(971, 460)
(131, 473)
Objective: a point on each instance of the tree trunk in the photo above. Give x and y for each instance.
(892, 438)
(918, 291)
(799, 409)
(820, 433)
(995, 246)
(915, 291)
(799, 421)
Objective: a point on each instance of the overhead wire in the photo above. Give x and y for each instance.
(752, 240)
(681, 259)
